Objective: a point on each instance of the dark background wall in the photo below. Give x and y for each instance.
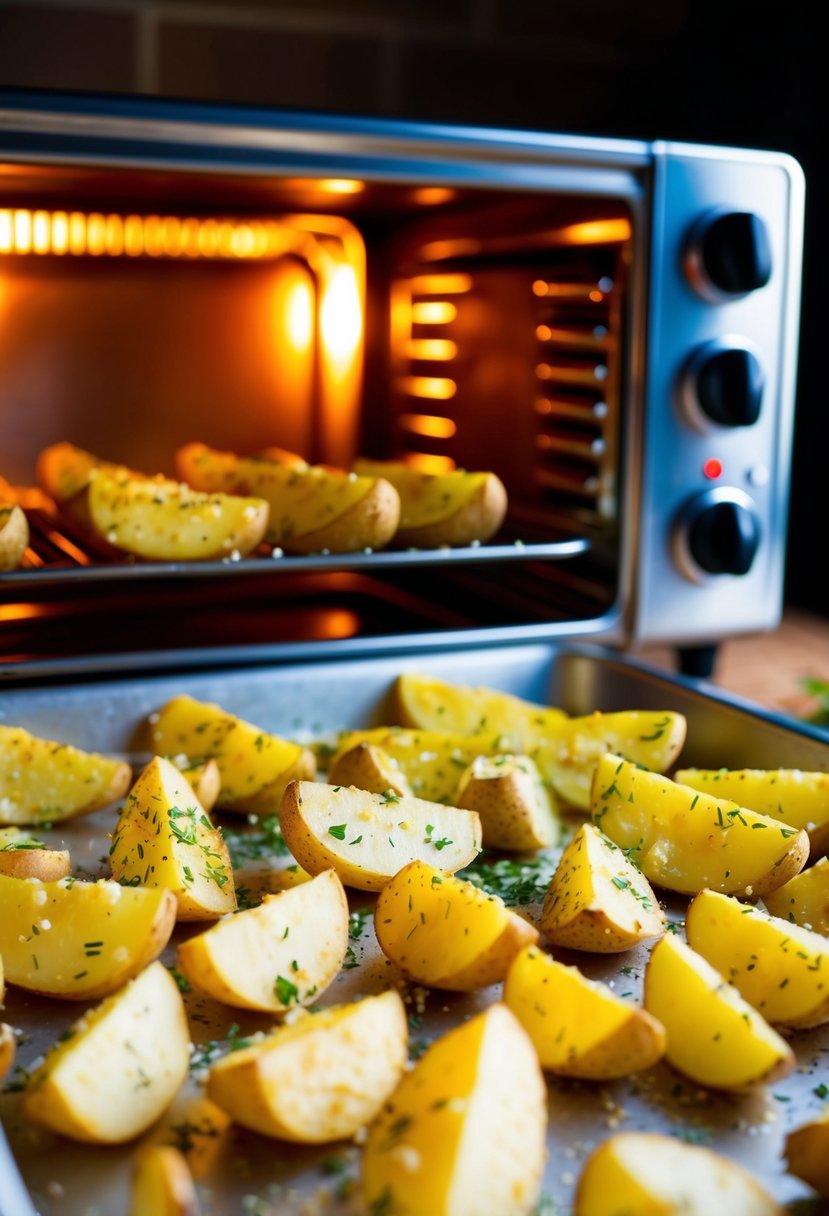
(742, 72)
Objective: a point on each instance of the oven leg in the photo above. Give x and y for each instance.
(697, 660)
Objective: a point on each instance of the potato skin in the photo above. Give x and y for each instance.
(807, 1153)
(368, 768)
(479, 518)
(14, 535)
(368, 524)
(518, 812)
(46, 864)
(442, 509)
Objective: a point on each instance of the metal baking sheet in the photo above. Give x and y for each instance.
(258, 1176)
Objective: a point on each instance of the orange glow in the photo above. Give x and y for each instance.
(543, 371)
(597, 296)
(299, 319)
(114, 236)
(96, 235)
(339, 185)
(439, 251)
(429, 425)
(341, 321)
(22, 612)
(436, 284)
(433, 387)
(23, 231)
(595, 232)
(133, 236)
(434, 312)
(40, 232)
(425, 462)
(543, 333)
(430, 196)
(6, 232)
(60, 232)
(539, 288)
(77, 233)
(431, 348)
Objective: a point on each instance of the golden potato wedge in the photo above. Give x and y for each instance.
(197, 1127)
(685, 841)
(597, 899)
(8, 1045)
(804, 899)
(64, 472)
(78, 940)
(794, 798)
(162, 1184)
(648, 1174)
(255, 766)
(714, 1036)
(807, 1152)
(284, 952)
(21, 856)
(311, 508)
(424, 702)
(14, 535)
(163, 838)
(464, 1132)
(369, 768)
(777, 967)
(445, 932)
(579, 1027)
(114, 1074)
(321, 1078)
(203, 775)
(42, 781)
(366, 838)
(518, 811)
(431, 761)
(453, 508)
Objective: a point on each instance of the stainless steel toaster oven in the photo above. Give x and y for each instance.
(609, 325)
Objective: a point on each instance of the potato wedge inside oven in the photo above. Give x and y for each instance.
(45, 781)
(14, 535)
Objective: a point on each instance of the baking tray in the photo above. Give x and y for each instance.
(255, 1176)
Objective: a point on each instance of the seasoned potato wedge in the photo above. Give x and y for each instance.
(64, 472)
(21, 856)
(369, 768)
(255, 766)
(579, 1027)
(517, 810)
(162, 1184)
(714, 1036)
(807, 1152)
(168, 522)
(311, 508)
(597, 899)
(111, 1078)
(78, 940)
(796, 799)
(282, 953)
(43, 782)
(685, 841)
(7, 1045)
(445, 932)
(321, 1078)
(464, 1132)
(197, 1127)
(804, 899)
(647, 1174)
(202, 775)
(424, 702)
(163, 838)
(366, 838)
(454, 508)
(431, 761)
(14, 535)
(777, 967)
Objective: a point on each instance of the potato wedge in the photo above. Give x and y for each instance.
(78, 940)
(777, 967)
(579, 1027)
(366, 838)
(431, 761)
(64, 472)
(321, 1078)
(648, 1174)
(714, 1036)
(14, 535)
(21, 856)
(369, 768)
(203, 775)
(311, 508)
(255, 766)
(8, 1045)
(804, 899)
(113, 1075)
(284, 952)
(43, 782)
(795, 798)
(162, 1184)
(453, 508)
(807, 1152)
(464, 1132)
(518, 811)
(597, 900)
(163, 838)
(424, 702)
(685, 841)
(445, 932)
(197, 1127)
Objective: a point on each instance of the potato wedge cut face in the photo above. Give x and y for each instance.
(321, 1078)
(283, 953)
(433, 761)
(135, 1043)
(162, 1184)
(78, 940)
(804, 899)
(777, 967)
(366, 838)
(45, 781)
(14, 536)
(795, 798)
(425, 702)
(686, 841)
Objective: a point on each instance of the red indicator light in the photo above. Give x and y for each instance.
(712, 468)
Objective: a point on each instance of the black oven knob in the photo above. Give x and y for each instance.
(729, 254)
(716, 532)
(723, 383)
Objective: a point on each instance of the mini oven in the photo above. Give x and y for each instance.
(609, 325)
